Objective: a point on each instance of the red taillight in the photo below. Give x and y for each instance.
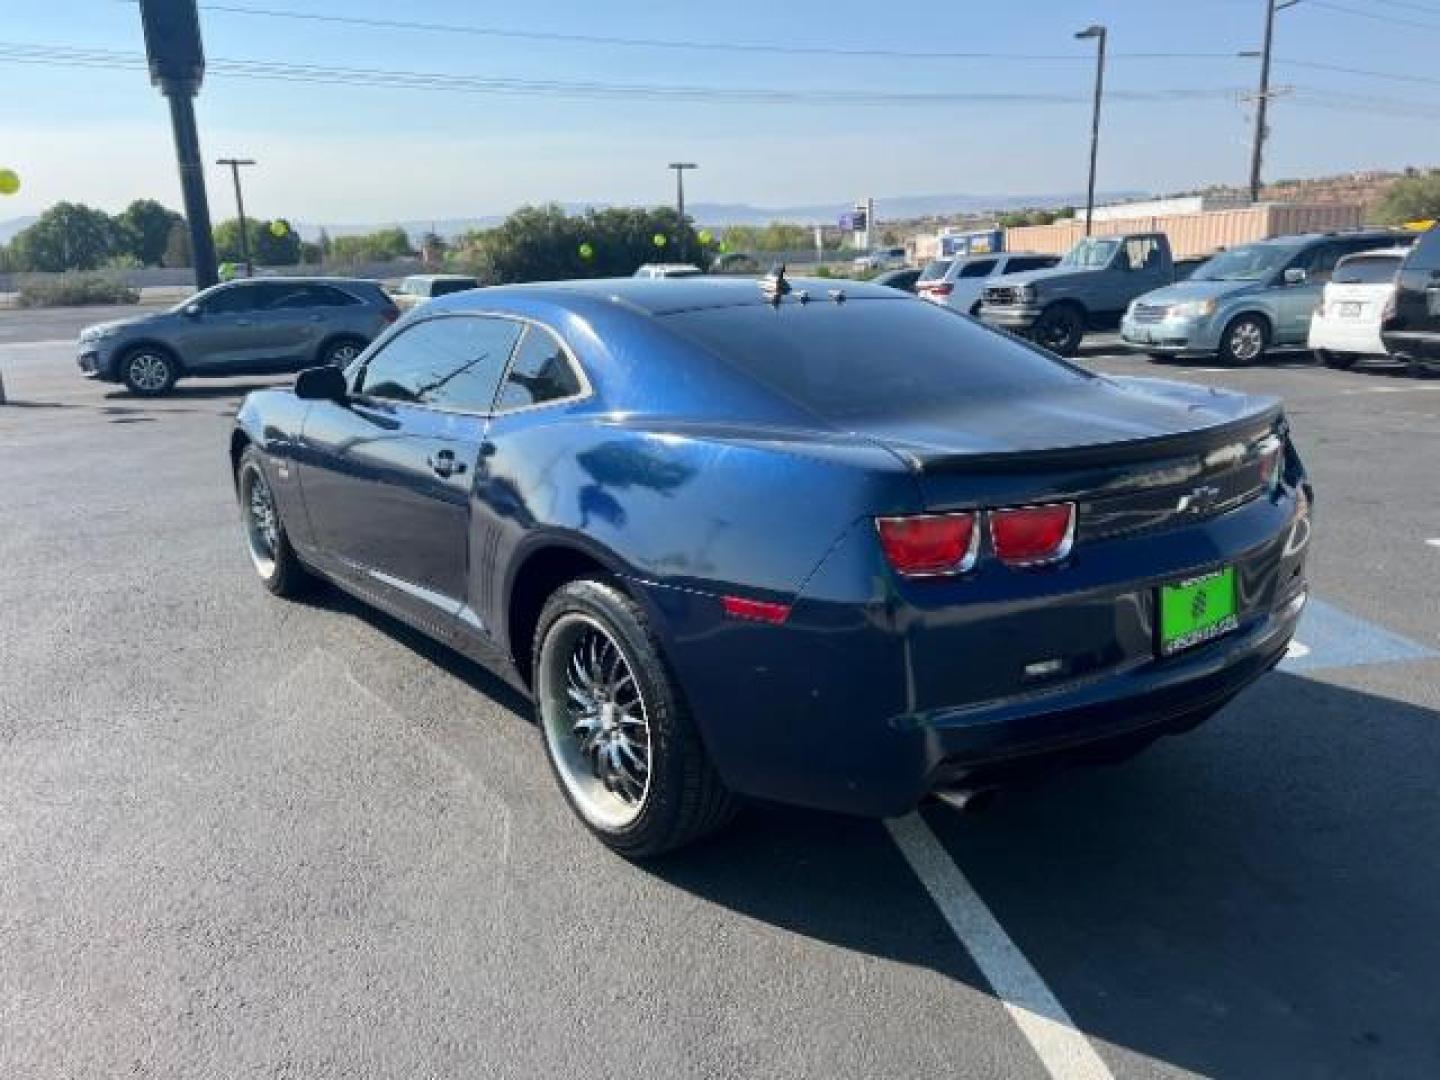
(939, 288)
(740, 607)
(930, 544)
(1029, 535)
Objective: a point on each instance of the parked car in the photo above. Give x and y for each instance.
(668, 270)
(892, 258)
(1346, 325)
(417, 288)
(249, 327)
(959, 282)
(1087, 290)
(1244, 301)
(838, 548)
(905, 280)
(1411, 331)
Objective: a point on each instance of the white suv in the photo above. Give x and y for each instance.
(884, 259)
(958, 282)
(1346, 325)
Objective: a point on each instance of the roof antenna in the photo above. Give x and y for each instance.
(773, 285)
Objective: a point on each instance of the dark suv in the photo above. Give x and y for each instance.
(253, 327)
(1411, 328)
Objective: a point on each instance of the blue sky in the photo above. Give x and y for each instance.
(376, 153)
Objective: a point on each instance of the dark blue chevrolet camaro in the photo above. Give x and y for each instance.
(836, 548)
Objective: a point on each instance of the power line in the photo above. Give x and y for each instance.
(1391, 76)
(689, 45)
(12, 52)
(1374, 16)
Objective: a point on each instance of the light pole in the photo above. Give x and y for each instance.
(1262, 99)
(680, 167)
(235, 164)
(1099, 33)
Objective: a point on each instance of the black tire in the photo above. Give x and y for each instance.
(1245, 341)
(1340, 361)
(342, 350)
(683, 797)
(274, 559)
(975, 310)
(1060, 328)
(1159, 357)
(147, 371)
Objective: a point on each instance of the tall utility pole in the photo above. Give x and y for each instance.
(235, 164)
(1262, 100)
(1100, 34)
(680, 167)
(177, 67)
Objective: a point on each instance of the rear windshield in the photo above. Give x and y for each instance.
(1367, 270)
(870, 357)
(936, 270)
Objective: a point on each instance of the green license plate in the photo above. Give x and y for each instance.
(1196, 611)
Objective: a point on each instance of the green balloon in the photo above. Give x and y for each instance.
(705, 236)
(660, 240)
(279, 227)
(587, 251)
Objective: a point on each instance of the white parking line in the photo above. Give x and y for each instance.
(1063, 1050)
(50, 344)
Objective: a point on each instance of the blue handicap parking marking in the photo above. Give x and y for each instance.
(1336, 639)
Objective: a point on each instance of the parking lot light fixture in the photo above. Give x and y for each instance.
(1099, 34)
(680, 167)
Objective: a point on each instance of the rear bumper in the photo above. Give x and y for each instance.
(1346, 336)
(866, 706)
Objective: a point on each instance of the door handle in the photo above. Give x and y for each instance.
(443, 463)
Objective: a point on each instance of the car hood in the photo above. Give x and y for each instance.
(1187, 291)
(1092, 420)
(1051, 273)
(119, 324)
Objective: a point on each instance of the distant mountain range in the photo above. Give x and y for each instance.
(718, 215)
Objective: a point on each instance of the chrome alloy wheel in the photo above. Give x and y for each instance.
(262, 523)
(595, 721)
(1247, 342)
(149, 372)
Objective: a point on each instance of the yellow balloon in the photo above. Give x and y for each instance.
(9, 182)
(587, 251)
(279, 227)
(660, 240)
(705, 236)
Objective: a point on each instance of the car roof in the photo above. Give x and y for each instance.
(1303, 239)
(288, 279)
(439, 277)
(659, 296)
(1393, 253)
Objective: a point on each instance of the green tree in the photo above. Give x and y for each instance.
(379, 246)
(68, 236)
(1411, 198)
(266, 248)
(145, 227)
(541, 243)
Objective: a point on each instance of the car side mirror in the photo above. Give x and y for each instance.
(322, 384)
(1296, 276)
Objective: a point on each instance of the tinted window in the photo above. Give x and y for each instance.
(229, 301)
(935, 270)
(444, 288)
(1249, 263)
(541, 372)
(1426, 255)
(454, 362)
(979, 268)
(1317, 262)
(871, 357)
(1367, 270)
(1020, 265)
(288, 297)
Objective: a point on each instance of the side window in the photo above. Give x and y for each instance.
(328, 296)
(287, 297)
(1020, 265)
(541, 372)
(230, 301)
(1318, 262)
(453, 361)
(1426, 255)
(1143, 253)
(980, 268)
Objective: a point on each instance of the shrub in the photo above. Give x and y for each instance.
(76, 290)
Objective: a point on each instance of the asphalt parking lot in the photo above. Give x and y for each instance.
(243, 837)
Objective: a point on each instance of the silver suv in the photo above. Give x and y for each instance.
(253, 327)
